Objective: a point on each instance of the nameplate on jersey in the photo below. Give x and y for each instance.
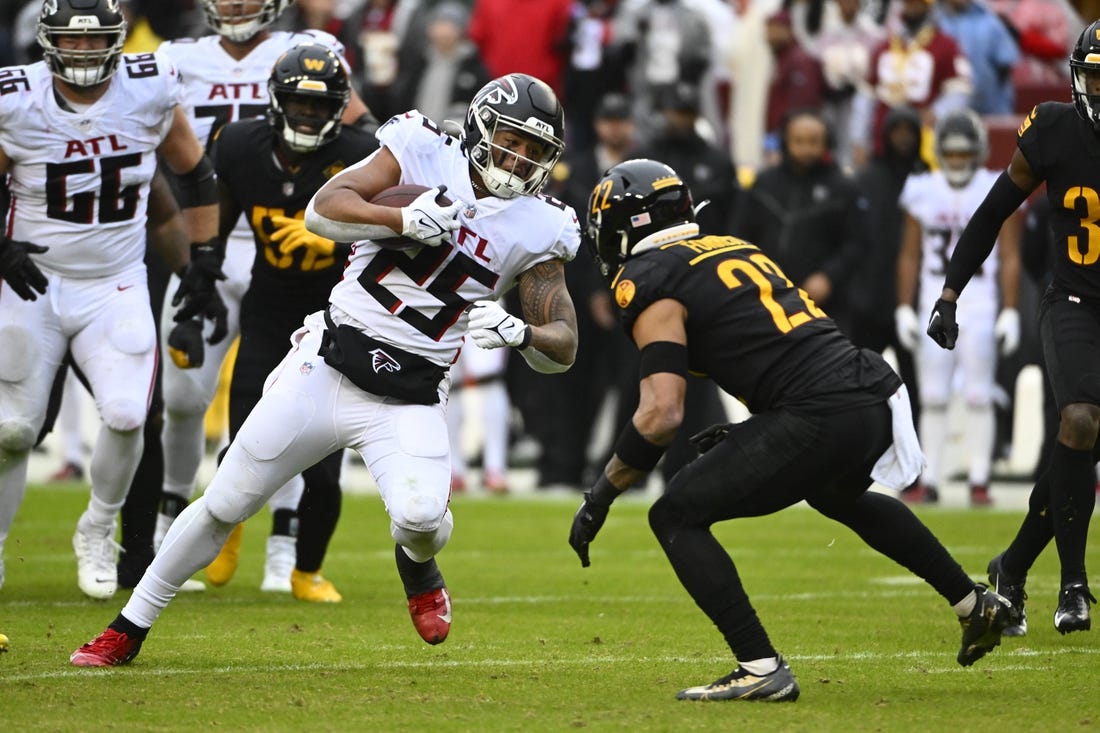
(380, 368)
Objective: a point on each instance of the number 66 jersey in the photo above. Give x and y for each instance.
(418, 298)
(80, 175)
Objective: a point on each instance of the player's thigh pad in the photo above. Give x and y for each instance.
(408, 453)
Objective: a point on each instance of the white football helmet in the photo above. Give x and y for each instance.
(81, 18)
(958, 134)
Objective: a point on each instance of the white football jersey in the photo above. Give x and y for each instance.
(417, 299)
(943, 212)
(80, 179)
(221, 89)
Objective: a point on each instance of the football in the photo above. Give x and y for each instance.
(399, 197)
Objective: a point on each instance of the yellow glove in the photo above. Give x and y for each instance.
(291, 234)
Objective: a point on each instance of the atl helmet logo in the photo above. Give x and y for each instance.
(383, 362)
(503, 91)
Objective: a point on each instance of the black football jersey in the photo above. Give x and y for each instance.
(760, 338)
(1063, 150)
(243, 155)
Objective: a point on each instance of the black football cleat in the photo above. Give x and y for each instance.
(1073, 609)
(1011, 588)
(982, 629)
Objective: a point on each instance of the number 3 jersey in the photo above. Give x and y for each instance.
(1063, 150)
(760, 338)
(417, 299)
(80, 179)
(943, 212)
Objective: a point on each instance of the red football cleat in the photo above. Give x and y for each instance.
(431, 615)
(109, 649)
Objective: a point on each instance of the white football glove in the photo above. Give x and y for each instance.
(492, 327)
(908, 327)
(1007, 331)
(428, 221)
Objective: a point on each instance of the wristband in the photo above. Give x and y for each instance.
(634, 450)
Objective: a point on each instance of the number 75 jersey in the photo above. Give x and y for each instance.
(80, 179)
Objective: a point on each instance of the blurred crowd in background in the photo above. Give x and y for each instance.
(709, 87)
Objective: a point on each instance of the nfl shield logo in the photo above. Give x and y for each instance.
(306, 368)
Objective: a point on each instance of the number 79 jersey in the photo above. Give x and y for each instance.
(417, 299)
(80, 179)
(749, 328)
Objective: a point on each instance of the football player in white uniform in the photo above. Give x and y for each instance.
(225, 79)
(938, 204)
(80, 133)
(371, 371)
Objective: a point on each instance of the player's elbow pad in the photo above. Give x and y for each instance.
(199, 186)
(542, 363)
(981, 231)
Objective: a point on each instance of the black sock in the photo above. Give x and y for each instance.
(1035, 533)
(417, 577)
(284, 522)
(124, 625)
(1072, 498)
(172, 505)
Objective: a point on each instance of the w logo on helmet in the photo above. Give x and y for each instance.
(502, 91)
(314, 64)
(383, 362)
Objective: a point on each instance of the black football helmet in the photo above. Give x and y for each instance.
(522, 103)
(637, 203)
(82, 68)
(308, 71)
(1085, 58)
(960, 132)
(236, 24)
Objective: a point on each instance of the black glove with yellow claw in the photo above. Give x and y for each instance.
(185, 344)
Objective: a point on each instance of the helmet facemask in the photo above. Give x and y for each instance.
(238, 25)
(308, 92)
(1088, 105)
(83, 67)
(961, 146)
(306, 131)
(506, 179)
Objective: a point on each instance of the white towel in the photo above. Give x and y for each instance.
(903, 461)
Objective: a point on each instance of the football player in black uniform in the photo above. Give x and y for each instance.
(269, 169)
(1058, 143)
(823, 416)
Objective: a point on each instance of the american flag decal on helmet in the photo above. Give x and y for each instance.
(383, 362)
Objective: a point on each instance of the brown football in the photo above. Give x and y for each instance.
(400, 196)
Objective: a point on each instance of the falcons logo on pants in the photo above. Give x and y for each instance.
(383, 362)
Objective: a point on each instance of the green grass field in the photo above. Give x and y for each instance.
(538, 644)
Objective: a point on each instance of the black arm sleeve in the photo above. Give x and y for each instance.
(981, 232)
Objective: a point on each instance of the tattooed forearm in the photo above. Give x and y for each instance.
(548, 308)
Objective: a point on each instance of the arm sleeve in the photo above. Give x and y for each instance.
(980, 234)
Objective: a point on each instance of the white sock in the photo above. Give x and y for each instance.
(966, 606)
(761, 667)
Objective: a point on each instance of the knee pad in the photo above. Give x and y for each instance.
(234, 495)
(19, 354)
(423, 546)
(664, 518)
(123, 415)
(17, 436)
(418, 512)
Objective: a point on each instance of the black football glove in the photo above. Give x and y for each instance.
(197, 289)
(18, 270)
(185, 344)
(704, 440)
(590, 517)
(942, 326)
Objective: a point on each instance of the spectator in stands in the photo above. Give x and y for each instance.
(873, 294)
(1044, 30)
(593, 69)
(918, 65)
(520, 36)
(663, 42)
(989, 47)
(705, 168)
(806, 214)
(844, 48)
(447, 73)
(797, 81)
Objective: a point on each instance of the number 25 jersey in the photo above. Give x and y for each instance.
(417, 299)
(80, 179)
